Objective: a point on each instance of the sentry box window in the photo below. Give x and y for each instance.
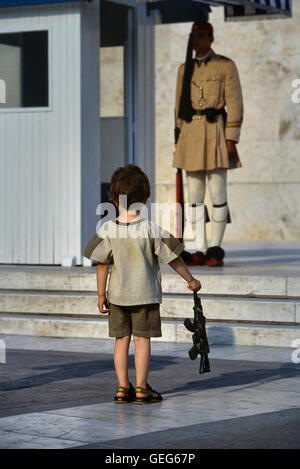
(24, 69)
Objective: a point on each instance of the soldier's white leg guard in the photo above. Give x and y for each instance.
(197, 215)
(197, 218)
(217, 184)
(218, 221)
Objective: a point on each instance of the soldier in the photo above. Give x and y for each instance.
(206, 137)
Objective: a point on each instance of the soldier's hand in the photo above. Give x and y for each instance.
(231, 149)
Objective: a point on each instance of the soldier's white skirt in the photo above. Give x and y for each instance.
(202, 146)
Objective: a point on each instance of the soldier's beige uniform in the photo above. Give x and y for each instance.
(202, 145)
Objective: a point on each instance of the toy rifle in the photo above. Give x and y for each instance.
(200, 341)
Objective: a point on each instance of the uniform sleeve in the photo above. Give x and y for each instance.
(98, 249)
(180, 74)
(166, 247)
(233, 101)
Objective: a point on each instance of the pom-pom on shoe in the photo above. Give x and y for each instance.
(186, 257)
(215, 256)
(198, 258)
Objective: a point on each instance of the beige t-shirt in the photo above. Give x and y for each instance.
(135, 250)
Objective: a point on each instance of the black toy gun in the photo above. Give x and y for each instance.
(200, 341)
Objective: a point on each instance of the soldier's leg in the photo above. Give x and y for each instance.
(196, 181)
(217, 185)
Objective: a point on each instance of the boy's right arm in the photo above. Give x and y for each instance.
(102, 273)
(181, 268)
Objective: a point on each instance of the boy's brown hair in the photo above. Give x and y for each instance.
(131, 181)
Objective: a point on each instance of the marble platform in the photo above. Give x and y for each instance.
(253, 300)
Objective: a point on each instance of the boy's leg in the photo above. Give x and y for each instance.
(142, 361)
(121, 361)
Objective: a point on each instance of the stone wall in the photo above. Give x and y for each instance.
(264, 194)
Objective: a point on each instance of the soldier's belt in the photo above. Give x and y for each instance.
(210, 113)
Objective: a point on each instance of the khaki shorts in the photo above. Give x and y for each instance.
(138, 320)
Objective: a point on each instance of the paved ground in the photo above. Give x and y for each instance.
(57, 393)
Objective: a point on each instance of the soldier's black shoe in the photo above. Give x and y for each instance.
(215, 256)
(187, 257)
(198, 258)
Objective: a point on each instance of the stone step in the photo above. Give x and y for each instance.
(237, 285)
(240, 309)
(65, 303)
(234, 309)
(173, 331)
(173, 306)
(84, 279)
(48, 279)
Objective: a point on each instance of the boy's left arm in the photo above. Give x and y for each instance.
(168, 250)
(181, 268)
(102, 274)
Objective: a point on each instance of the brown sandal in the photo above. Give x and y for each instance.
(151, 396)
(129, 395)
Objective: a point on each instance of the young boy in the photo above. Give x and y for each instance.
(134, 246)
